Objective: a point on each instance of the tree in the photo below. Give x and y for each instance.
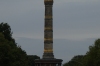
(11, 55)
(93, 55)
(4, 48)
(31, 59)
(6, 31)
(75, 61)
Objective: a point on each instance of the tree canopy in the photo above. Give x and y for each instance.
(31, 59)
(93, 55)
(75, 61)
(91, 58)
(10, 53)
(5, 29)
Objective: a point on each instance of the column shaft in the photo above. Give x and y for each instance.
(48, 30)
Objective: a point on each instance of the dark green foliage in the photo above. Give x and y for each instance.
(31, 59)
(10, 53)
(6, 31)
(75, 61)
(93, 55)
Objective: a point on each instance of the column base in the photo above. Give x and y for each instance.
(48, 56)
(48, 62)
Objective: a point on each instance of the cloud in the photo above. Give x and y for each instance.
(63, 48)
(71, 18)
(18, 8)
(76, 25)
(76, 1)
(62, 34)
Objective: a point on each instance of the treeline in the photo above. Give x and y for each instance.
(91, 58)
(10, 53)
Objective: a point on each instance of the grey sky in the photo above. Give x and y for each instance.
(76, 25)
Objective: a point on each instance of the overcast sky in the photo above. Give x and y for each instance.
(76, 25)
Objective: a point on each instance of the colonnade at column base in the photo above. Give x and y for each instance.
(48, 62)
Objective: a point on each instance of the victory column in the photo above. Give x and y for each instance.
(48, 57)
(48, 30)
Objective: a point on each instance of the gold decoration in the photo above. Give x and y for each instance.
(48, 17)
(49, 50)
(49, 28)
(48, 39)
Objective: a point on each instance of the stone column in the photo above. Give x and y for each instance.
(48, 30)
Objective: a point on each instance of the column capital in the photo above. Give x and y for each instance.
(48, 2)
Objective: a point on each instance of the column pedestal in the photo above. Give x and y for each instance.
(48, 62)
